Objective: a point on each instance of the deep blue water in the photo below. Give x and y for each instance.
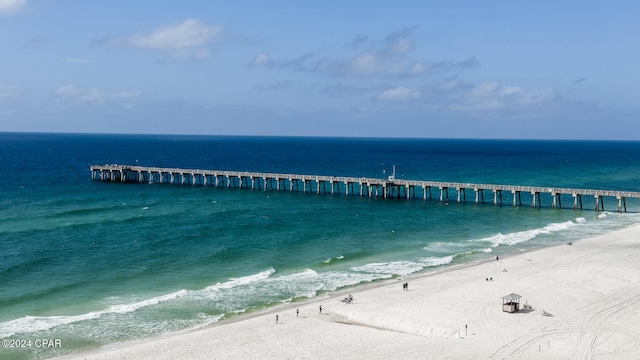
(92, 263)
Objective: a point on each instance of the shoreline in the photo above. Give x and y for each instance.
(272, 310)
(454, 312)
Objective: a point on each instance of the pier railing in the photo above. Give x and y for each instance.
(363, 186)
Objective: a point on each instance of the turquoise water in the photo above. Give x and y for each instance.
(93, 263)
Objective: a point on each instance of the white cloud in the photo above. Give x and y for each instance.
(8, 91)
(390, 57)
(261, 59)
(182, 41)
(189, 33)
(12, 6)
(450, 84)
(400, 94)
(483, 90)
(400, 45)
(493, 96)
(93, 95)
(366, 63)
(536, 96)
(510, 90)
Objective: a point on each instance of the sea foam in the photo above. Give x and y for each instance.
(41, 323)
(523, 236)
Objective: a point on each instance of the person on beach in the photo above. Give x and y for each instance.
(497, 258)
(320, 309)
(276, 319)
(297, 312)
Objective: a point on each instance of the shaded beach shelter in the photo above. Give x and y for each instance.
(511, 303)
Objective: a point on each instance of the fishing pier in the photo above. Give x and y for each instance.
(390, 187)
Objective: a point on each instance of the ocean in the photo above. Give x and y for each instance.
(86, 263)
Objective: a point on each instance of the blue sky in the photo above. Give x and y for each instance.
(433, 69)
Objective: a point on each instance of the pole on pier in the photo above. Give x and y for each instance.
(535, 199)
(599, 201)
(621, 202)
(444, 194)
(517, 200)
(577, 201)
(497, 197)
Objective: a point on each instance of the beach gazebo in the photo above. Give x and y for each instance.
(511, 303)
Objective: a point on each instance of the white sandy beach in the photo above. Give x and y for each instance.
(588, 290)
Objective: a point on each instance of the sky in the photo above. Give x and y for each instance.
(417, 69)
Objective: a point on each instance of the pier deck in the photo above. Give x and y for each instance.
(363, 186)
